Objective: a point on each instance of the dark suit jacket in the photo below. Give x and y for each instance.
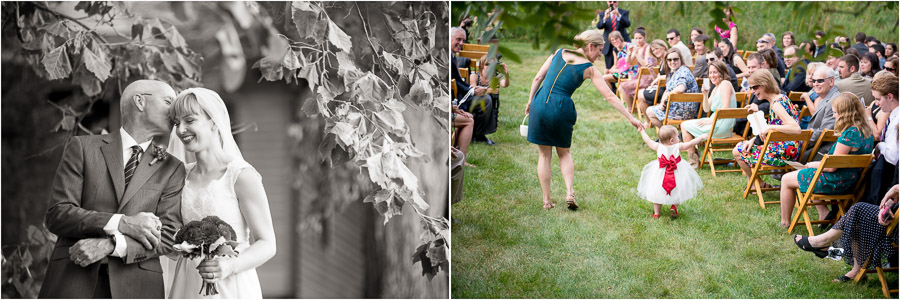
(795, 80)
(462, 87)
(88, 188)
(862, 48)
(621, 26)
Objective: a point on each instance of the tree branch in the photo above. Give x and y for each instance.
(76, 21)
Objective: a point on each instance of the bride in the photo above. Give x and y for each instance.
(223, 184)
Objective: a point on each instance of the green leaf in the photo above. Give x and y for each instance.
(57, 63)
(509, 54)
(338, 38)
(100, 67)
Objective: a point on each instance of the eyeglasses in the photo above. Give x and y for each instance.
(754, 87)
(890, 69)
(671, 38)
(818, 80)
(762, 41)
(672, 59)
(711, 59)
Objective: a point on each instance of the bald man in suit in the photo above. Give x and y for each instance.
(114, 207)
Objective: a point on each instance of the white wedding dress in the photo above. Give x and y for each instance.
(217, 198)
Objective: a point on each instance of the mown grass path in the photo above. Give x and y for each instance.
(722, 246)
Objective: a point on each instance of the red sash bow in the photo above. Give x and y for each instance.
(671, 164)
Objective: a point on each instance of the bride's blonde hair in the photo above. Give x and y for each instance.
(591, 36)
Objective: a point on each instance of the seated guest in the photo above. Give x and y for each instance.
(695, 32)
(871, 40)
(703, 66)
(700, 51)
(809, 98)
(650, 60)
(621, 67)
(863, 234)
(876, 116)
(878, 49)
(462, 119)
(883, 172)
(860, 43)
(771, 60)
(650, 95)
(890, 50)
(832, 62)
(754, 62)
(808, 48)
(853, 51)
(722, 96)
(820, 43)
(733, 60)
(822, 116)
(787, 40)
(868, 65)
(768, 42)
(482, 78)
(457, 174)
(795, 76)
(852, 81)
(855, 139)
(678, 80)
(782, 117)
(890, 65)
(673, 37)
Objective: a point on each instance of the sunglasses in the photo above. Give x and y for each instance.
(754, 87)
(818, 80)
(672, 59)
(671, 38)
(890, 69)
(762, 41)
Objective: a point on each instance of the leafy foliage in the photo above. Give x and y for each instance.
(19, 281)
(361, 104)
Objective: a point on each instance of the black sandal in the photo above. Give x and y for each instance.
(804, 245)
(571, 204)
(842, 278)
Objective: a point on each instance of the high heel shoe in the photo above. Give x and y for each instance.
(674, 211)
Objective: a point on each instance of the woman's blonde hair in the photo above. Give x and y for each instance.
(765, 80)
(616, 35)
(660, 44)
(851, 113)
(591, 36)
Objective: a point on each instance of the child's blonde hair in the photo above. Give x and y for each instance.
(667, 133)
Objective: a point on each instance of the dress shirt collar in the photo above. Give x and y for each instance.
(128, 141)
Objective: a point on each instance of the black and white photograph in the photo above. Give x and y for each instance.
(225, 149)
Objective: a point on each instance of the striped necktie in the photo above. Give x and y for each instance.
(132, 163)
(613, 17)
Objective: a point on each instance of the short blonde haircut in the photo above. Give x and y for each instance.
(765, 80)
(591, 36)
(667, 133)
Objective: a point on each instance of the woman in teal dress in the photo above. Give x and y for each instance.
(722, 97)
(856, 138)
(783, 117)
(552, 112)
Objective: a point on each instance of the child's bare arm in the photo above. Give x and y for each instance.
(653, 145)
(696, 141)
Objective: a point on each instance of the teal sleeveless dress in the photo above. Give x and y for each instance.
(552, 112)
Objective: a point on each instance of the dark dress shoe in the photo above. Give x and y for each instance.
(490, 142)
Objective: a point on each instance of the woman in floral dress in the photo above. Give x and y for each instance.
(783, 117)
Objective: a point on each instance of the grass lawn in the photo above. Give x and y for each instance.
(722, 246)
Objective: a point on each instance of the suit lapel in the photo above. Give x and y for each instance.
(141, 175)
(112, 153)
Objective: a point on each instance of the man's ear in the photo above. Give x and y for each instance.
(139, 102)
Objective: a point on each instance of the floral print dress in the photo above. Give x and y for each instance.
(679, 110)
(778, 151)
(840, 180)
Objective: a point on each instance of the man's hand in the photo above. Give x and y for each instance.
(480, 90)
(88, 251)
(144, 227)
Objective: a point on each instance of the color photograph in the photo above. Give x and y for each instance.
(651, 149)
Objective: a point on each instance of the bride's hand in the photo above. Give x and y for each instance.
(214, 270)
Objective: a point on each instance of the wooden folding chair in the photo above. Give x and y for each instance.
(827, 135)
(692, 68)
(796, 97)
(740, 52)
(683, 98)
(885, 289)
(741, 99)
(714, 145)
(842, 201)
(754, 184)
(474, 55)
(455, 132)
(659, 86)
(453, 88)
(464, 72)
(476, 48)
(740, 81)
(747, 54)
(634, 107)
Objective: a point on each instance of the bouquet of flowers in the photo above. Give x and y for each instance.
(207, 239)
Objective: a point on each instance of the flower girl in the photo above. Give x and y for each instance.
(668, 179)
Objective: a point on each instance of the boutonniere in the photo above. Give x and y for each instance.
(159, 154)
